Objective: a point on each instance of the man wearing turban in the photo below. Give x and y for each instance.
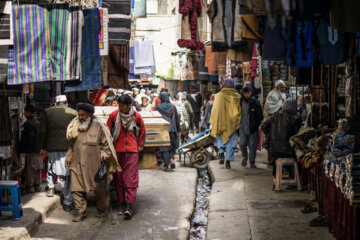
(90, 144)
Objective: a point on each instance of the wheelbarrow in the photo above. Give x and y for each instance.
(199, 150)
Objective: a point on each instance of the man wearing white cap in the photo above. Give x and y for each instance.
(273, 104)
(52, 139)
(275, 99)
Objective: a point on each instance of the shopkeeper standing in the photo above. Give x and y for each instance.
(52, 139)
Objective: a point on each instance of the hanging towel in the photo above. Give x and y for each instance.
(144, 58)
(74, 40)
(90, 53)
(31, 55)
(58, 27)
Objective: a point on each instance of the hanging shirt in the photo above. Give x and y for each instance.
(300, 52)
(331, 44)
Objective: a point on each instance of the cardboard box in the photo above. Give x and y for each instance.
(147, 160)
(156, 125)
(151, 114)
(157, 139)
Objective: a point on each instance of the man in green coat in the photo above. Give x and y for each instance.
(52, 139)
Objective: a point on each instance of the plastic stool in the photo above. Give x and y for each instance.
(15, 206)
(279, 181)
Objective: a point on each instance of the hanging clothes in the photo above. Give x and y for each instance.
(5, 34)
(58, 28)
(119, 20)
(344, 15)
(254, 63)
(4, 58)
(6, 134)
(74, 40)
(118, 66)
(241, 53)
(226, 24)
(190, 10)
(331, 45)
(299, 45)
(30, 51)
(90, 53)
(144, 58)
(192, 66)
(250, 27)
(203, 71)
(274, 47)
(210, 59)
(175, 61)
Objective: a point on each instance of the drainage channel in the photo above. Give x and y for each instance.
(199, 217)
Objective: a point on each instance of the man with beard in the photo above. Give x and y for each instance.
(251, 117)
(90, 144)
(128, 131)
(52, 139)
(275, 99)
(273, 104)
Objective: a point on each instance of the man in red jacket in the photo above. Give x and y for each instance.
(128, 130)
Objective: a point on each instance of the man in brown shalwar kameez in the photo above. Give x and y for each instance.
(90, 143)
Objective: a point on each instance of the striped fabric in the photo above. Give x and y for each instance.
(119, 20)
(74, 39)
(4, 56)
(90, 53)
(117, 6)
(58, 26)
(119, 31)
(31, 54)
(4, 26)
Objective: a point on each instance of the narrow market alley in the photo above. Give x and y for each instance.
(242, 206)
(180, 119)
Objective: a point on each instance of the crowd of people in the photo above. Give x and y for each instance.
(76, 142)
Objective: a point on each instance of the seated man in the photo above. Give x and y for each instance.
(281, 126)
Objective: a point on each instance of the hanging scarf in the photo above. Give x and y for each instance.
(126, 120)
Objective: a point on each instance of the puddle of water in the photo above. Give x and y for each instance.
(199, 218)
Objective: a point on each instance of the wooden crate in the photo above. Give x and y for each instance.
(147, 160)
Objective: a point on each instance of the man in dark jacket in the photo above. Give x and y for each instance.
(281, 126)
(52, 139)
(28, 145)
(195, 101)
(251, 117)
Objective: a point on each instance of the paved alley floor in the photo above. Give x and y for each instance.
(165, 202)
(242, 206)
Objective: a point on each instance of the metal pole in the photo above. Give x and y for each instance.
(321, 85)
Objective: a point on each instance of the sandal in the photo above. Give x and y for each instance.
(318, 222)
(309, 209)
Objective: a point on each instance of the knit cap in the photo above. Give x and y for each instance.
(290, 105)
